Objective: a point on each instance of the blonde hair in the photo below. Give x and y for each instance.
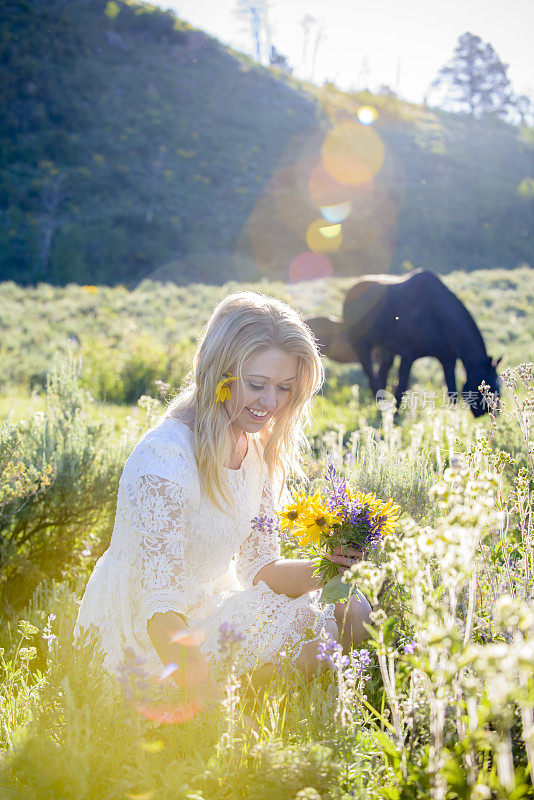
(242, 325)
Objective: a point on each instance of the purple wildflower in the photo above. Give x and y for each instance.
(361, 660)
(352, 667)
(332, 652)
(133, 676)
(409, 648)
(338, 492)
(328, 649)
(266, 523)
(230, 637)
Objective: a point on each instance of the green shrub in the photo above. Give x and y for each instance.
(65, 491)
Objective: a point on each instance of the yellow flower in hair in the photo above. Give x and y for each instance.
(223, 391)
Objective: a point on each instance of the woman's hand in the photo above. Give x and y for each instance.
(345, 557)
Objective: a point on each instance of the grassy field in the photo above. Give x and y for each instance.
(126, 339)
(442, 706)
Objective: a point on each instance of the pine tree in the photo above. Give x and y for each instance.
(475, 80)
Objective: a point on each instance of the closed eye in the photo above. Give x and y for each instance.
(259, 388)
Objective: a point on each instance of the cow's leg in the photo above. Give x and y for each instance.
(404, 376)
(364, 354)
(385, 366)
(450, 379)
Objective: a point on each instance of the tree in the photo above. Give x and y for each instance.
(278, 60)
(256, 14)
(474, 80)
(313, 33)
(525, 109)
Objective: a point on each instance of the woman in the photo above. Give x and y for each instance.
(185, 558)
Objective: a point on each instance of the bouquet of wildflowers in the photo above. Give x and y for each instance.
(335, 519)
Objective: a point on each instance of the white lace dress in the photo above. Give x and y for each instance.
(173, 550)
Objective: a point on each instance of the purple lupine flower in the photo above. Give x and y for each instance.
(133, 676)
(266, 523)
(338, 497)
(328, 650)
(230, 637)
(409, 648)
(352, 668)
(332, 652)
(362, 660)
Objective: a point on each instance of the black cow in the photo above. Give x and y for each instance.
(411, 316)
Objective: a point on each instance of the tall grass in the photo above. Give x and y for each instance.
(444, 710)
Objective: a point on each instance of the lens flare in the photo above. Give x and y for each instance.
(153, 746)
(188, 638)
(310, 266)
(367, 115)
(352, 154)
(330, 231)
(166, 715)
(169, 670)
(141, 796)
(325, 190)
(322, 238)
(337, 213)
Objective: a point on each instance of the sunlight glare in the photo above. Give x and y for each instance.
(188, 638)
(337, 213)
(310, 266)
(367, 115)
(323, 238)
(352, 154)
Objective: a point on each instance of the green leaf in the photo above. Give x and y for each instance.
(335, 591)
(388, 747)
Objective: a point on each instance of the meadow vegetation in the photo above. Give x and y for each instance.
(127, 339)
(443, 705)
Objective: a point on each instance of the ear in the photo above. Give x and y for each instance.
(496, 361)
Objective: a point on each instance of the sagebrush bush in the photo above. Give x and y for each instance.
(58, 486)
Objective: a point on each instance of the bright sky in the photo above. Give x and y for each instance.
(401, 43)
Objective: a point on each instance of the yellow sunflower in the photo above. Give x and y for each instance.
(317, 519)
(377, 508)
(391, 512)
(292, 511)
(370, 500)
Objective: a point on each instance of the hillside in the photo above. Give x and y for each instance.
(133, 146)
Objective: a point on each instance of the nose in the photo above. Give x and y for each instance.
(268, 400)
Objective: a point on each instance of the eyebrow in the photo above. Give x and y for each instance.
(265, 378)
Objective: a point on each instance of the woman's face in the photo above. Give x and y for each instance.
(268, 378)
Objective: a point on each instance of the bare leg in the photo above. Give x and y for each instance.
(351, 617)
(306, 663)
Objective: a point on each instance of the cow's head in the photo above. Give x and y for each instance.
(485, 372)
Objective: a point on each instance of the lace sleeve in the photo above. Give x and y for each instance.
(163, 583)
(262, 546)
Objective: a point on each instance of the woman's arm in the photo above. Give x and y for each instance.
(289, 576)
(174, 644)
(293, 577)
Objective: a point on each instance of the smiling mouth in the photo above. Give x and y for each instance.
(258, 414)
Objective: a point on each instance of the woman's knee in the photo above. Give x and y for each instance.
(307, 661)
(351, 618)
